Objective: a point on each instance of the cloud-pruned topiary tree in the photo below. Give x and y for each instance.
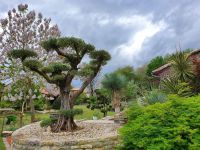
(71, 51)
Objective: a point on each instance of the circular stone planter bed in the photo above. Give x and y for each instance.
(98, 135)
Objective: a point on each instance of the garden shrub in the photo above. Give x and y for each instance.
(173, 125)
(47, 122)
(10, 119)
(5, 104)
(71, 113)
(39, 104)
(155, 96)
(82, 99)
(56, 104)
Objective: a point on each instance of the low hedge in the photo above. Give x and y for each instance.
(174, 125)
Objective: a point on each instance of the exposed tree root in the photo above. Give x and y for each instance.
(64, 124)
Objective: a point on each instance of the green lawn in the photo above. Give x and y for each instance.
(2, 146)
(87, 114)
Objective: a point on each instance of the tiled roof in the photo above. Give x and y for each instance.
(169, 64)
(161, 68)
(194, 52)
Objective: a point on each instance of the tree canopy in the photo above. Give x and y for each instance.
(154, 64)
(71, 52)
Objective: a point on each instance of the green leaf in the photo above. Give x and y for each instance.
(22, 54)
(55, 67)
(32, 64)
(100, 56)
(50, 44)
(71, 113)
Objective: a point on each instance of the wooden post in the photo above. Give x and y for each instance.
(2, 126)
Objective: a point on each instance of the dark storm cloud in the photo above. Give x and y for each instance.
(155, 27)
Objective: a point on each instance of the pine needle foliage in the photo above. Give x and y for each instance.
(62, 72)
(22, 54)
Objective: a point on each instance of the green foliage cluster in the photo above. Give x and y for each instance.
(101, 101)
(11, 119)
(182, 66)
(171, 125)
(39, 104)
(127, 72)
(131, 91)
(47, 122)
(33, 64)
(22, 54)
(82, 99)
(175, 86)
(71, 112)
(156, 96)
(154, 64)
(114, 81)
(5, 104)
(55, 67)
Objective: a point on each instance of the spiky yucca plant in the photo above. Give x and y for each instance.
(182, 66)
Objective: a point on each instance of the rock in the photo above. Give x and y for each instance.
(7, 133)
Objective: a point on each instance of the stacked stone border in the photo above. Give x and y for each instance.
(107, 143)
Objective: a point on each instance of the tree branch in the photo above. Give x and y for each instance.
(86, 83)
(44, 75)
(60, 53)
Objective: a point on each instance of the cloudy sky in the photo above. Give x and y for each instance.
(133, 31)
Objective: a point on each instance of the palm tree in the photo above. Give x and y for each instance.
(114, 82)
(182, 66)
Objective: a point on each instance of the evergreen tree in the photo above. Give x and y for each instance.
(71, 51)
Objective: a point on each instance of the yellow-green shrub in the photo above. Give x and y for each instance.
(174, 125)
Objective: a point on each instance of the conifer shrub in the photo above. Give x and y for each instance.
(172, 125)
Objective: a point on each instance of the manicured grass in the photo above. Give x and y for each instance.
(87, 114)
(2, 146)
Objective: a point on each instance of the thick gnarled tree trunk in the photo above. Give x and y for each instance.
(65, 123)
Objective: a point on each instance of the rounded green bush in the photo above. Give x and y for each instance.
(47, 122)
(174, 125)
(156, 96)
(10, 119)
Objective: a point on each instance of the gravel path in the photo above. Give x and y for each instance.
(91, 129)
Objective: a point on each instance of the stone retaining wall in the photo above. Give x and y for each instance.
(108, 143)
